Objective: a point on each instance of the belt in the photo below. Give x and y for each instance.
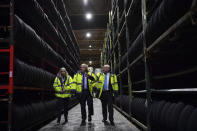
(66, 92)
(106, 91)
(85, 90)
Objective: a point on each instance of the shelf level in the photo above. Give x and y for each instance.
(4, 40)
(3, 122)
(4, 73)
(4, 100)
(4, 86)
(4, 50)
(185, 90)
(5, 6)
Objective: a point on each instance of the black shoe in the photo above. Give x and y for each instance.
(58, 123)
(83, 123)
(66, 121)
(112, 123)
(104, 121)
(89, 118)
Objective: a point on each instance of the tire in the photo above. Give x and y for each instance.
(168, 116)
(162, 116)
(191, 124)
(184, 117)
(158, 113)
(175, 116)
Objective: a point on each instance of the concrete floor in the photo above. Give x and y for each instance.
(74, 121)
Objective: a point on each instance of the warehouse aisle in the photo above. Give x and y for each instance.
(74, 118)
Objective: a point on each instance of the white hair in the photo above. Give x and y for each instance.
(86, 66)
(62, 68)
(59, 72)
(107, 65)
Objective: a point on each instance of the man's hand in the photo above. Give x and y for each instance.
(89, 76)
(115, 93)
(64, 90)
(86, 75)
(95, 89)
(73, 92)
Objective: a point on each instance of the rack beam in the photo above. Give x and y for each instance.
(188, 90)
(4, 50)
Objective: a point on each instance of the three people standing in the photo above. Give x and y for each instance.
(82, 85)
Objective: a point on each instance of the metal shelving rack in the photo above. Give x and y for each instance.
(7, 91)
(114, 52)
(7, 96)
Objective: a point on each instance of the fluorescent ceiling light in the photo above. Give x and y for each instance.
(88, 16)
(85, 2)
(88, 35)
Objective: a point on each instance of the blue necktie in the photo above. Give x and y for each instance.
(84, 82)
(105, 83)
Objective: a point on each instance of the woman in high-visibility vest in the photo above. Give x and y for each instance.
(62, 86)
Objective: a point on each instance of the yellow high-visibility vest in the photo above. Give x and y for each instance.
(67, 87)
(77, 82)
(101, 80)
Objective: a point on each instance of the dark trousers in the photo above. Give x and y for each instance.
(107, 104)
(86, 96)
(62, 103)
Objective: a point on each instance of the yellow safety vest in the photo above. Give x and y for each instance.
(77, 82)
(101, 80)
(67, 87)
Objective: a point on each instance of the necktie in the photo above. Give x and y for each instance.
(84, 82)
(106, 82)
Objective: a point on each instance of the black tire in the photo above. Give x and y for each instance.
(184, 117)
(192, 122)
(162, 116)
(175, 116)
(168, 116)
(152, 118)
(158, 113)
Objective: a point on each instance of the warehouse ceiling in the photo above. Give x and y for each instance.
(90, 47)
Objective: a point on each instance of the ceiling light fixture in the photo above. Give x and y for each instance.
(85, 2)
(90, 46)
(88, 35)
(88, 16)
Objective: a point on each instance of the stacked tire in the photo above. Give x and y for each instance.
(168, 12)
(25, 116)
(27, 75)
(29, 10)
(124, 102)
(27, 39)
(138, 107)
(167, 116)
